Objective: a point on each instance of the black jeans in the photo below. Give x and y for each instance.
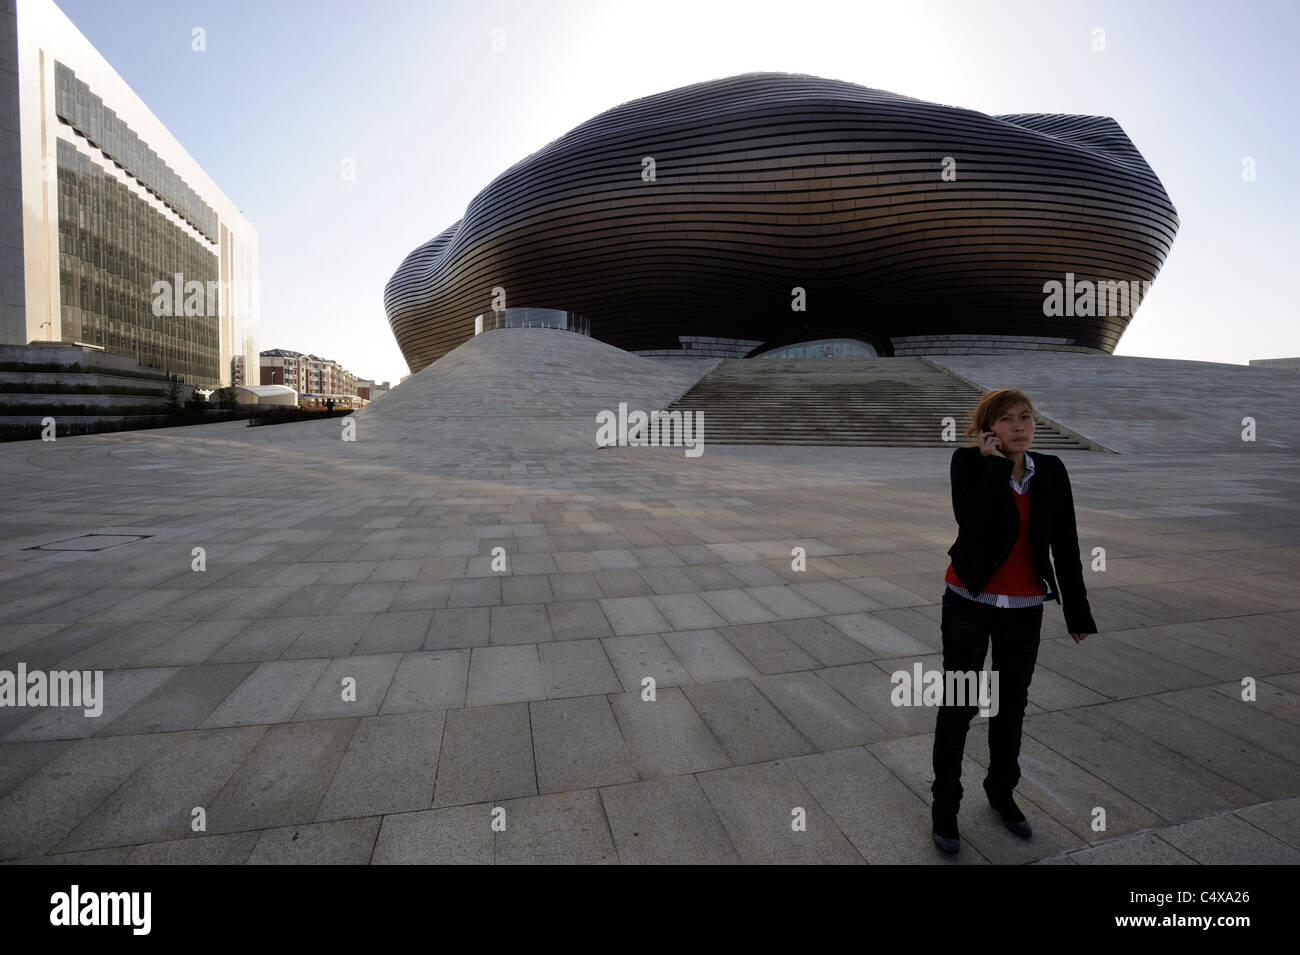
(967, 628)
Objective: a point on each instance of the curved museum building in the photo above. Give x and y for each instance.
(787, 215)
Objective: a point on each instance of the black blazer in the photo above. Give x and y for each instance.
(988, 524)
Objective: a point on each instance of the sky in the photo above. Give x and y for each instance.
(424, 103)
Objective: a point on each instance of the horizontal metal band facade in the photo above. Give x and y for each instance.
(767, 182)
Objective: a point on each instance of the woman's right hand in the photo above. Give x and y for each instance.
(988, 444)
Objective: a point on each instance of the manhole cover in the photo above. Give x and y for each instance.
(91, 542)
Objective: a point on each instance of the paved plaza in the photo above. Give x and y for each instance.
(499, 710)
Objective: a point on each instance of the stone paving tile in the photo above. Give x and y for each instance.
(784, 601)
(666, 737)
(877, 636)
(574, 587)
(262, 640)
(687, 612)
(737, 607)
(193, 644)
(141, 608)
(46, 806)
(1271, 696)
(1112, 669)
(368, 680)
(20, 761)
(707, 656)
(758, 805)
(399, 631)
(869, 687)
(637, 658)
(533, 589)
(921, 623)
(184, 701)
(509, 674)
(1049, 690)
(980, 827)
(344, 571)
(1169, 785)
(634, 615)
(442, 568)
(1144, 849)
(576, 668)
(475, 592)
(827, 644)
(14, 636)
(68, 643)
(19, 602)
(105, 857)
(886, 594)
(283, 779)
(883, 828)
(1067, 793)
(750, 728)
(232, 848)
(78, 606)
(578, 620)
(389, 767)
(567, 828)
(823, 716)
(428, 681)
(711, 578)
(1163, 642)
(1280, 819)
(272, 694)
(1211, 747)
(834, 597)
(121, 690)
(487, 754)
(668, 580)
(336, 635)
(459, 835)
(768, 649)
(157, 802)
(534, 564)
(666, 822)
(523, 623)
(455, 628)
(323, 599)
(421, 595)
(1226, 839)
(621, 584)
(400, 570)
(578, 745)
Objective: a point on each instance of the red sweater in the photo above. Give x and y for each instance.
(1017, 576)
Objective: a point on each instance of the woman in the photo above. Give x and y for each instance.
(1011, 505)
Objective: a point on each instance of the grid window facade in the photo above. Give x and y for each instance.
(113, 247)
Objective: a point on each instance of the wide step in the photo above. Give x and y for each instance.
(866, 402)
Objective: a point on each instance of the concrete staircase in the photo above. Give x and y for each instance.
(876, 402)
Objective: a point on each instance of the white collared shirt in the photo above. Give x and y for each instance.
(1022, 486)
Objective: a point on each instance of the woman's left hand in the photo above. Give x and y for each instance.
(1080, 637)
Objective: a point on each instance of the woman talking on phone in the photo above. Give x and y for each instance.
(1011, 505)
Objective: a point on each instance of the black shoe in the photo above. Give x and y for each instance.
(945, 833)
(1011, 815)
